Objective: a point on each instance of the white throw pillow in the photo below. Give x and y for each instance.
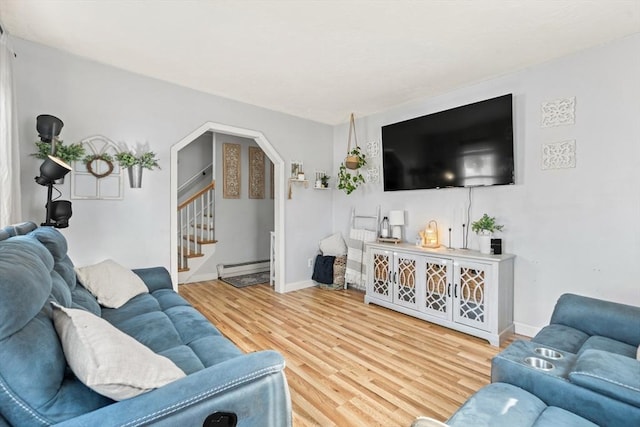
(106, 359)
(112, 284)
(333, 245)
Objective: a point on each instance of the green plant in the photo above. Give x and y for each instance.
(361, 157)
(66, 153)
(147, 159)
(347, 181)
(486, 224)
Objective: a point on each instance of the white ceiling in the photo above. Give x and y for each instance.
(321, 59)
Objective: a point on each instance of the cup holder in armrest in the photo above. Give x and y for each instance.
(537, 363)
(548, 353)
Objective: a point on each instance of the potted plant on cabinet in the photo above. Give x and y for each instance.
(484, 228)
(135, 164)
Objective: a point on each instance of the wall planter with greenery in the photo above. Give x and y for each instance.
(135, 164)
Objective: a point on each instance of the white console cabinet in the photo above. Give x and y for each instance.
(460, 289)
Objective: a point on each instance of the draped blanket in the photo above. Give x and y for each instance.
(356, 271)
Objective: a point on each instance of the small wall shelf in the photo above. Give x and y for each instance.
(292, 181)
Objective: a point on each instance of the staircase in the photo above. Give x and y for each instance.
(196, 232)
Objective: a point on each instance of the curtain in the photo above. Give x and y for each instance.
(10, 203)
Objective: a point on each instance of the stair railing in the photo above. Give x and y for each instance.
(195, 223)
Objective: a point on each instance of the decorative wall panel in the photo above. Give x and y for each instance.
(559, 155)
(559, 112)
(256, 173)
(231, 157)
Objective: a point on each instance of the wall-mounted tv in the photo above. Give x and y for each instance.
(466, 146)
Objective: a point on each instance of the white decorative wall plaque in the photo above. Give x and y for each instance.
(373, 174)
(559, 112)
(373, 148)
(559, 155)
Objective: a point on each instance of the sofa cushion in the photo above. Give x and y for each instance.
(598, 317)
(558, 417)
(610, 374)
(597, 342)
(25, 282)
(108, 360)
(56, 244)
(166, 322)
(112, 284)
(33, 369)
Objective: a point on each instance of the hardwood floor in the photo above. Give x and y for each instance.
(348, 363)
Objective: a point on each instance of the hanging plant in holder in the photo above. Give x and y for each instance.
(355, 160)
(135, 164)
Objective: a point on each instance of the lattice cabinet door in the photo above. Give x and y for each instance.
(470, 294)
(438, 285)
(405, 280)
(380, 276)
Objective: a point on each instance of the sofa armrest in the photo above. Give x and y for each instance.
(155, 278)
(252, 386)
(610, 374)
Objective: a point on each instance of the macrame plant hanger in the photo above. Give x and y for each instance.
(352, 161)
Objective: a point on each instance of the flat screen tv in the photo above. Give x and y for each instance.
(466, 146)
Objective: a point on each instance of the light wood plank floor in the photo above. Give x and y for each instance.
(348, 363)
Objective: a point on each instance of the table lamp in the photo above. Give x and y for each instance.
(396, 221)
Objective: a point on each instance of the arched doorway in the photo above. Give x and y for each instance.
(279, 180)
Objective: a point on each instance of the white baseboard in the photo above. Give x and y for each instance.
(202, 278)
(240, 269)
(526, 330)
(296, 286)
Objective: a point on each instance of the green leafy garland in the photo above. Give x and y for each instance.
(66, 153)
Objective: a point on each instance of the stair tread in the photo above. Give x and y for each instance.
(198, 240)
(183, 269)
(205, 226)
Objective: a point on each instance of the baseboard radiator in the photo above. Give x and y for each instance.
(231, 270)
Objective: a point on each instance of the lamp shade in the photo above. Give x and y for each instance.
(60, 213)
(396, 217)
(48, 127)
(51, 169)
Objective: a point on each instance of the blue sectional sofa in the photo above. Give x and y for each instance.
(581, 370)
(584, 361)
(222, 385)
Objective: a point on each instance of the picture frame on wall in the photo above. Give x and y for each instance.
(296, 169)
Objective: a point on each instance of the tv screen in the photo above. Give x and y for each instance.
(465, 146)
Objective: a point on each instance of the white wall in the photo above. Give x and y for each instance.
(92, 98)
(193, 158)
(572, 230)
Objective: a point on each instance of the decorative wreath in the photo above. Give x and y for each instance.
(104, 157)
